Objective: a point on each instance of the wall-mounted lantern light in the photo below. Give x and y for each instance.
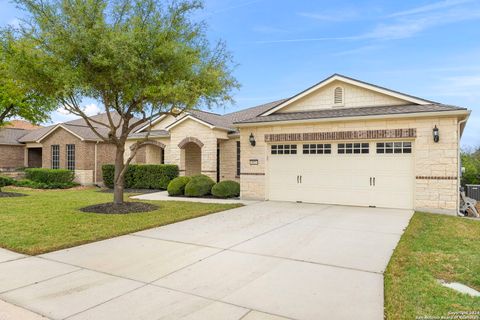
(252, 140)
(436, 135)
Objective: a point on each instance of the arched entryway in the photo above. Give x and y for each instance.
(152, 152)
(191, 156)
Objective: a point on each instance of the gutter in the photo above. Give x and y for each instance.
(459, 133)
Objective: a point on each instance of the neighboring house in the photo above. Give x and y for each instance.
(342, 141)
(71, 145)
(12, 152)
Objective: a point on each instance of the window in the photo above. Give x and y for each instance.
(238, 158)
(317, 148)
(394, 147)
(284, 149)
(162, 156)
(338, 95)
(55, 156)
(71, 157)
(353, 148)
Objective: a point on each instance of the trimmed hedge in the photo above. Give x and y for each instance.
(42, 185)
(142, 176)
(199, 186)
(50, 176)
(5, 181)
(176, 187)
(226, 189)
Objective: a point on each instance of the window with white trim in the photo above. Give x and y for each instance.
(71, 157)
(317, 148)
(338, 95)
(353, 148)
(394, 147)
(284, 149)
(55, 156)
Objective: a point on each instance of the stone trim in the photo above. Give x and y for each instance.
(182, 143)
(209, 171)
(343, 135)
(252, 174)
(436, 178)
(149, 142)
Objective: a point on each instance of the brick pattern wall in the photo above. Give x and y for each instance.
(193, 159)
(11, 157)
(228, 160)
(343, 135)
(431, 159)
(105, 155)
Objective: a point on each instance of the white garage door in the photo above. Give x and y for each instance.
(377, 174)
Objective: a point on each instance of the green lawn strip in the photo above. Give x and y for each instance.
(433, 247)
(50, 220)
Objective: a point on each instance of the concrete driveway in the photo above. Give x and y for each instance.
(268, 260)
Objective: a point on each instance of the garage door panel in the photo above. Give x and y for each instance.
(383, 180)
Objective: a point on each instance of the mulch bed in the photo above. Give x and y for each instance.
(132, 190)
(126, 207)
(11, 194)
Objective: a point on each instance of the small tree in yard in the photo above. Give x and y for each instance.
(140, 58)
(16, 98)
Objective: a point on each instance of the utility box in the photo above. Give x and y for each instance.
(473, 191)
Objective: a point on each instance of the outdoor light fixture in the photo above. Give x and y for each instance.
(436, 136)
(252, 140)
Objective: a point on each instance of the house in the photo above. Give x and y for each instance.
(341, 141)
(12, 152)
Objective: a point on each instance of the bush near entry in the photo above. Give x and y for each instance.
(176, 187)
(226, 189)
(199, 186)
(142, 176)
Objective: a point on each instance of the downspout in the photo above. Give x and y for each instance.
(95, 166)
(459, 164)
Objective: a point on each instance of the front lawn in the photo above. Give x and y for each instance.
(50, 220)
(433, 247)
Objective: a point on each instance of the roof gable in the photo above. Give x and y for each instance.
(356, 94)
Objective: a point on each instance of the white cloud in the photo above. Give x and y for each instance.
(430, 7)
(91, 109)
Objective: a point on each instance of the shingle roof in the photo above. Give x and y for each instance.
(153, 134)
(21, 124)
(352, 112)
(10, 136)
(78, 127)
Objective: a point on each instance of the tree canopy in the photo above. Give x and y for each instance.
(139, 58)
(17, 99)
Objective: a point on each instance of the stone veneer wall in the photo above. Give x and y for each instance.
(436, 164)
(228, 160)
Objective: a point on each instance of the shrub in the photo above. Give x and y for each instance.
(42, 185)
(199, 186)
(226, 189)
(50, 176)
(176, 187)
(5, 181)
(142, 176)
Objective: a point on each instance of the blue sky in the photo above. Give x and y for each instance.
(426, 48)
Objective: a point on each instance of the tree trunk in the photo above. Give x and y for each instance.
(119, 178)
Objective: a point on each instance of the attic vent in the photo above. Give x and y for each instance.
(338, 95)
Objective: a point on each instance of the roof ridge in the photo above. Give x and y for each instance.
(257, 106)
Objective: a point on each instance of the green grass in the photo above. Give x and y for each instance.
(46, 221)
(433, 247)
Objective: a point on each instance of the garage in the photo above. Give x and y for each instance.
(366, 173)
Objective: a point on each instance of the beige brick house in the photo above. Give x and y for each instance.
(342, 141)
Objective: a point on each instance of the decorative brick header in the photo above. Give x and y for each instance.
(343, 135)
(435, 178)
(182, 143)
(252, 174)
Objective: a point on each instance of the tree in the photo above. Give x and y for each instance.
(16, 98)
(471, 163)
(140, 58)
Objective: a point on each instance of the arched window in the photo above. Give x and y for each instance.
(338, 95)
